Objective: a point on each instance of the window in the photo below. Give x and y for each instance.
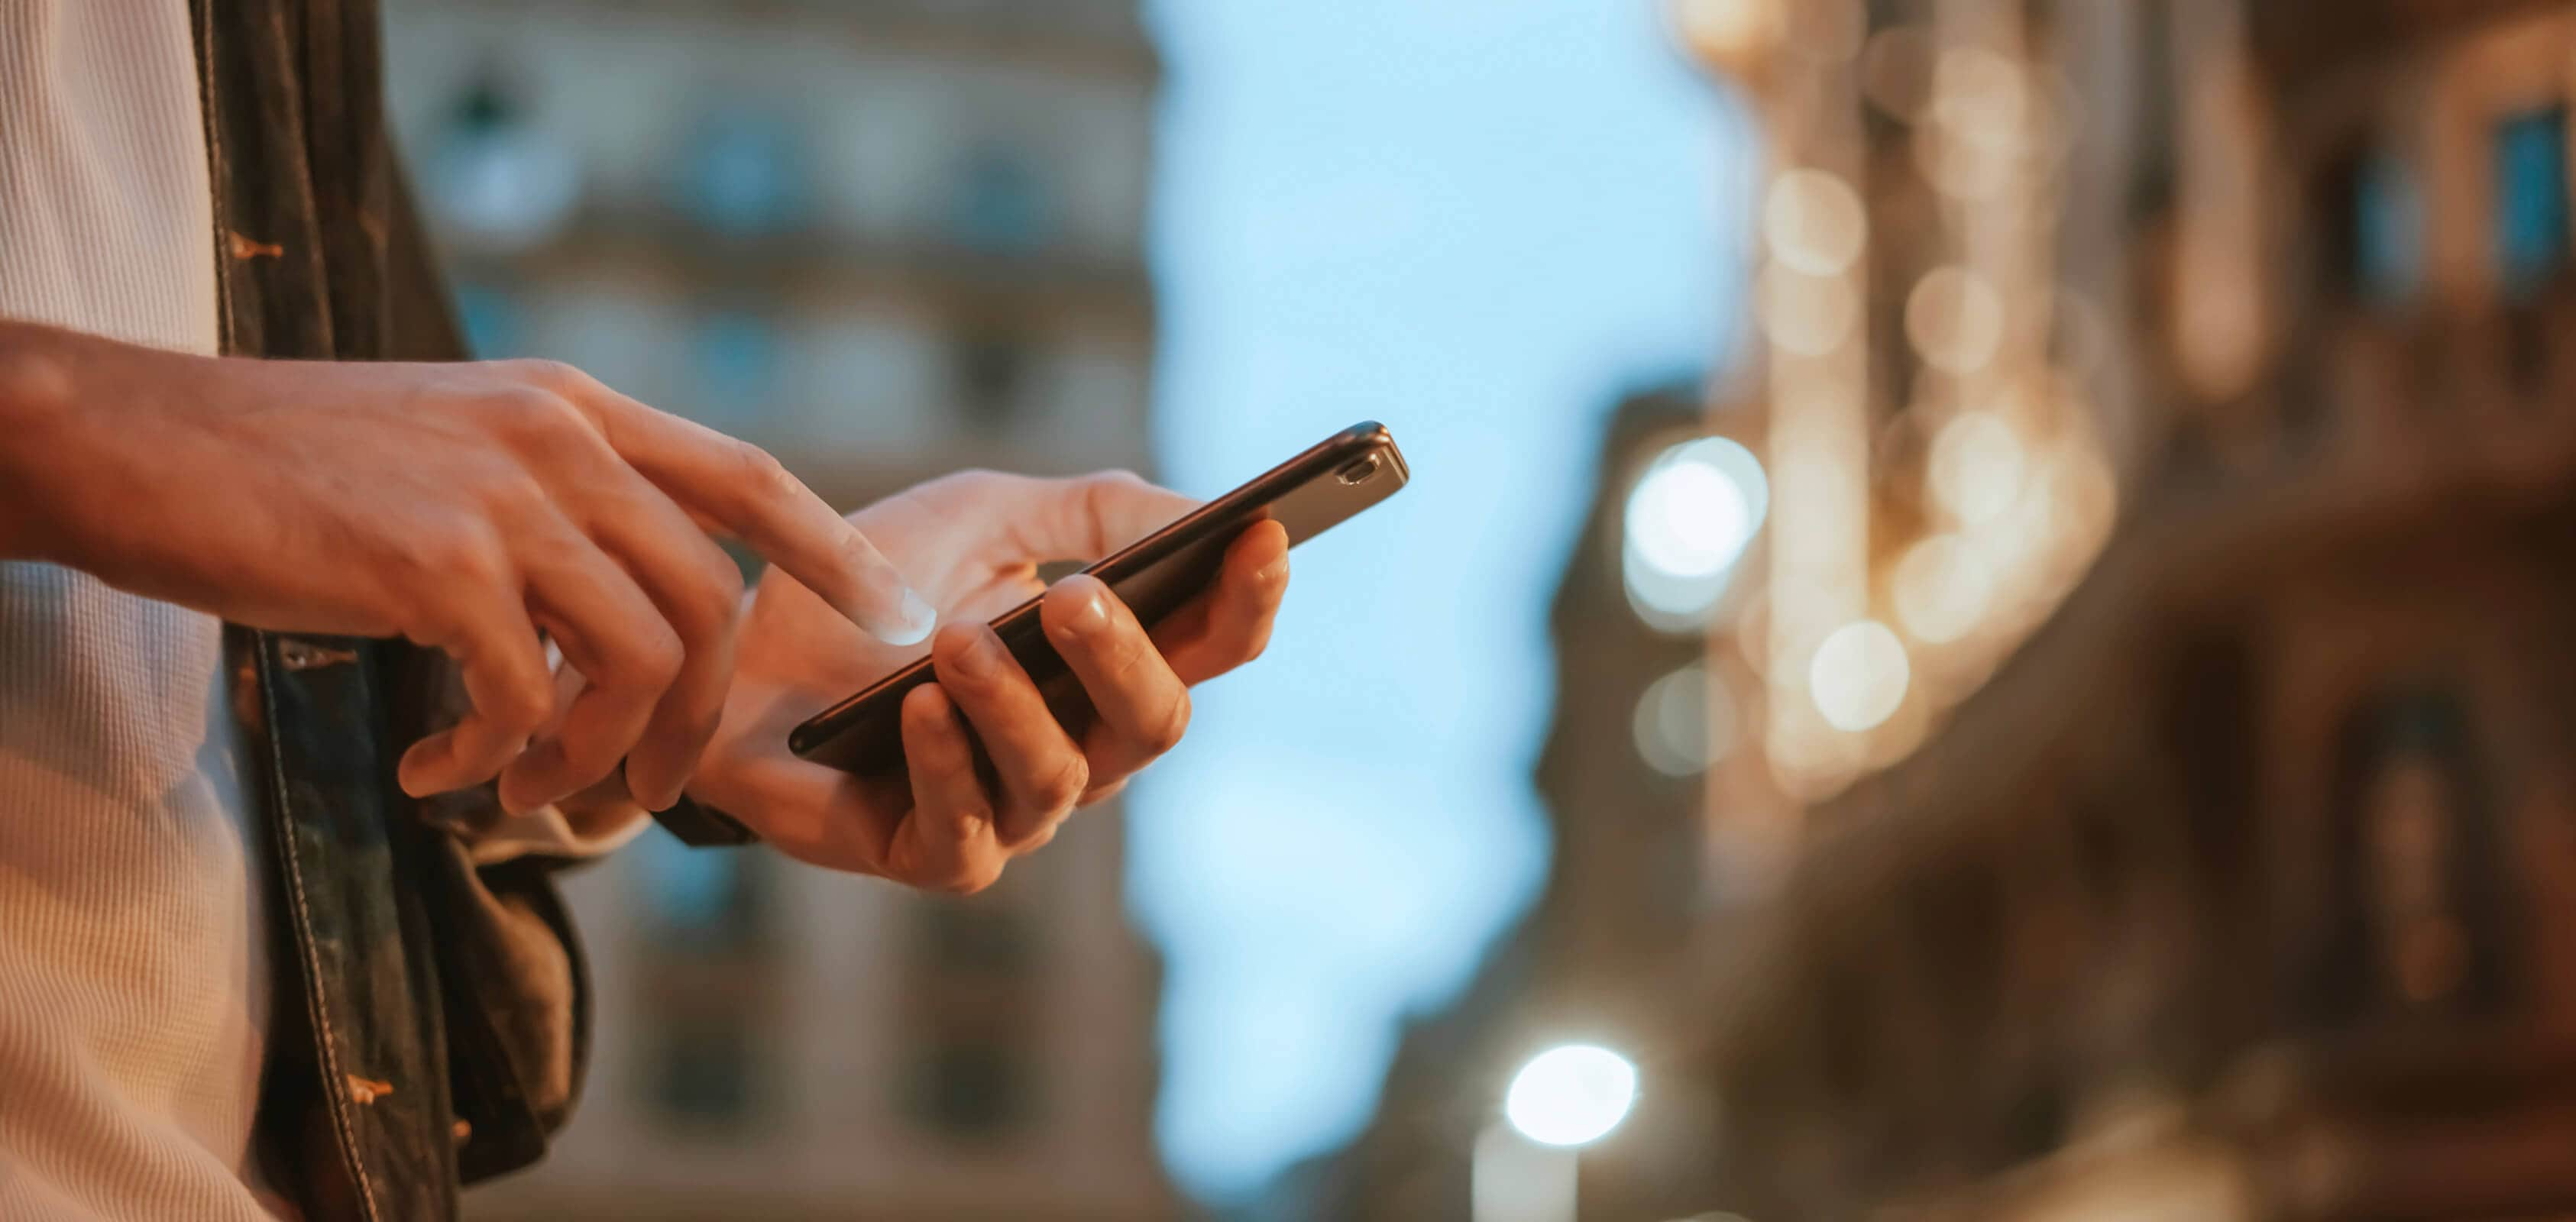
(746, 174)
(970, 939)
(2531, 213)
(973, 1001)
(2388, 229)
(698, 900)
(2159, 84)
(971, 1088)
(992, 372)
(703, 1067)
(2372, 227)
(492, 320)
(497, 179)
(735, 357)
(1000, 204)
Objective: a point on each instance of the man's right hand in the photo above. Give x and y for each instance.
(463, 506)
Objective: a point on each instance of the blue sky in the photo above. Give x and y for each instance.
(1477, 221)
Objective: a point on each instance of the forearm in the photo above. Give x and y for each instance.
(38, 393)
(89, 436)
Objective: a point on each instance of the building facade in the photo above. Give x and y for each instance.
(885, 239)
(2146, 794)
(2238, 891)
(1640, 710)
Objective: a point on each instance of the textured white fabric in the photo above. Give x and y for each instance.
(133, 983)
(132, 991)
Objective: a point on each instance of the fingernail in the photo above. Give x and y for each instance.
(983, 658)
(917, 618)
(411, 774)
(543, 760)
(1089, 619)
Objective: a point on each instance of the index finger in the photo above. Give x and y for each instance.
(748, 494)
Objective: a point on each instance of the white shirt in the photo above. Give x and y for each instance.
(134, 985)
(133, 991)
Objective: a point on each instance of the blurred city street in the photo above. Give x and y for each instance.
(1980, 631)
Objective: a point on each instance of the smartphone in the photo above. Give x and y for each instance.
(1309, 494)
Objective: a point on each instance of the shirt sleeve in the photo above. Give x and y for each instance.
(551, 831)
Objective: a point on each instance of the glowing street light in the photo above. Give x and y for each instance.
(1571, 1095)
(1565, 1098)
(1690, 517)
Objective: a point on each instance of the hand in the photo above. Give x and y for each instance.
(463, 506)
(974, 542)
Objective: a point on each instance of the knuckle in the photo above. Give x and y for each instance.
(1129, 653)
(1253, 643)
(587, 763)
(1165, 732)
(510, 496)
(526, 405)
(971, 484)
(552, 375)
(1063, 785)
(957, 656)
(763, 476)
(532, 419)
(715, 597)
(663, 658)
(521, 705)
(703, 728)
(464, 552)
(651, 659)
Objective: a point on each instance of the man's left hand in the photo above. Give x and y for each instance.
(971, 543)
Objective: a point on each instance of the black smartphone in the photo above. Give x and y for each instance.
(1309, 494)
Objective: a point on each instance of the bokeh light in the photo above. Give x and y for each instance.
(1571, 1095)
(1684, 722)
(1690, 517)
(1941, 588)
(1977, 91)
(1896, 70)
(1859, 676)
(1977, 467)
(1806, 315)
(1955, 319)
(1814, 222)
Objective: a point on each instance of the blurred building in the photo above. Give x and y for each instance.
(1640, 708)
(2147, 795)
(2236, 891)
(886, 239)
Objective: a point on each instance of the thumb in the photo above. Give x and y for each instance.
(1086, 517)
